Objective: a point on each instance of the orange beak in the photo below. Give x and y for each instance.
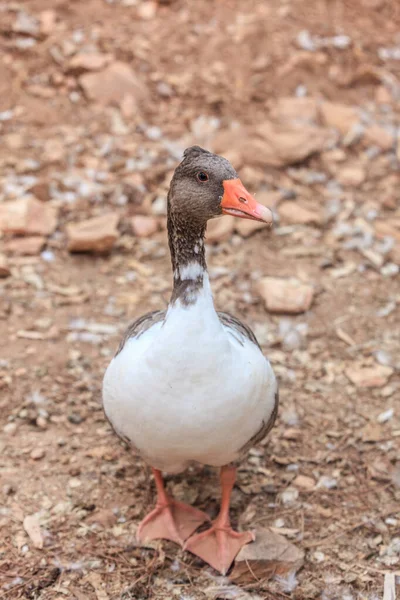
(238, 202)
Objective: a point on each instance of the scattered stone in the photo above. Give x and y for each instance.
(147, 10)
(144, 226)
(385, 416)
(111, 85)
(379, 136)
(26, 24)
(88, 61)
(289, 496)
(32, 528)
(327, 482)
(220, 230)
(75, 418)
(277, 145)
(41, 190)
(4, 268)
(93, 235)
(27, 216)
(293, 213)
(339, 116)
(269, 555)
(285, 295)
(37, 453)
(25, 246)
(10, 428)
(367, 377)
(295, 110)
(351, 176)
(304, 482)
(47, 21)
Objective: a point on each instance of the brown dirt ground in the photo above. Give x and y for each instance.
(87, 490)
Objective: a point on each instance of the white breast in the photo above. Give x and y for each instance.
(186, 390)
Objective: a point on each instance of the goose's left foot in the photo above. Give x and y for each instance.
(170, 520)
(219, 545)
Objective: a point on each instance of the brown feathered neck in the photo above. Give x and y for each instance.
(186, 244)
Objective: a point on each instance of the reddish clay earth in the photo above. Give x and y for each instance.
(97, 101)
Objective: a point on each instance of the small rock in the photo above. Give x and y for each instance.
(93, 235)
(47, 21)
(327, 482)
(4, 269)
(26, 24)
(297, 110)
(289, 495)
(304, 482)
(367, 377)
(351, 176)
(220, 230)
(32, 528)
(75, 418)
(385, 416)
(37, 453)
(379, 136)
(293, 213)
(109, 86)
(25, 246)
(147, 10)
(285, 295)
(159, 206)
(339, 116)
(269, 555)
(88, 61)
(10, 428)
(41, 190)
(28, 216)
(144, 226)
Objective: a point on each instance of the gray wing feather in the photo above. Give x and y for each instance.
(237, 326)
(141, 325)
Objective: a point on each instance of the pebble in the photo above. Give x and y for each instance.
(75, 418)
(385, 416)
(27, 216)
(10, 428)
(25, 246)
(369, 376)
(37, 453)
(327, 482)
(304, 482)
(289, 495)
(285, 295)
(96, 235)
(339, 116)
(351, 176)
(143, 225)
(109, 86)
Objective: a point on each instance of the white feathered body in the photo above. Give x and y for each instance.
(189, 389)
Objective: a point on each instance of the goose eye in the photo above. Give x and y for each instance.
(202, 176)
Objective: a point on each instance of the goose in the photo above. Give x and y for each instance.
(189, 384)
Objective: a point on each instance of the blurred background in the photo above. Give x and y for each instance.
(98, 100)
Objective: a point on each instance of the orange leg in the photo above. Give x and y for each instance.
(170, 520)
(219, 545)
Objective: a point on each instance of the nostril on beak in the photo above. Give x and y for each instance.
(242, 200)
